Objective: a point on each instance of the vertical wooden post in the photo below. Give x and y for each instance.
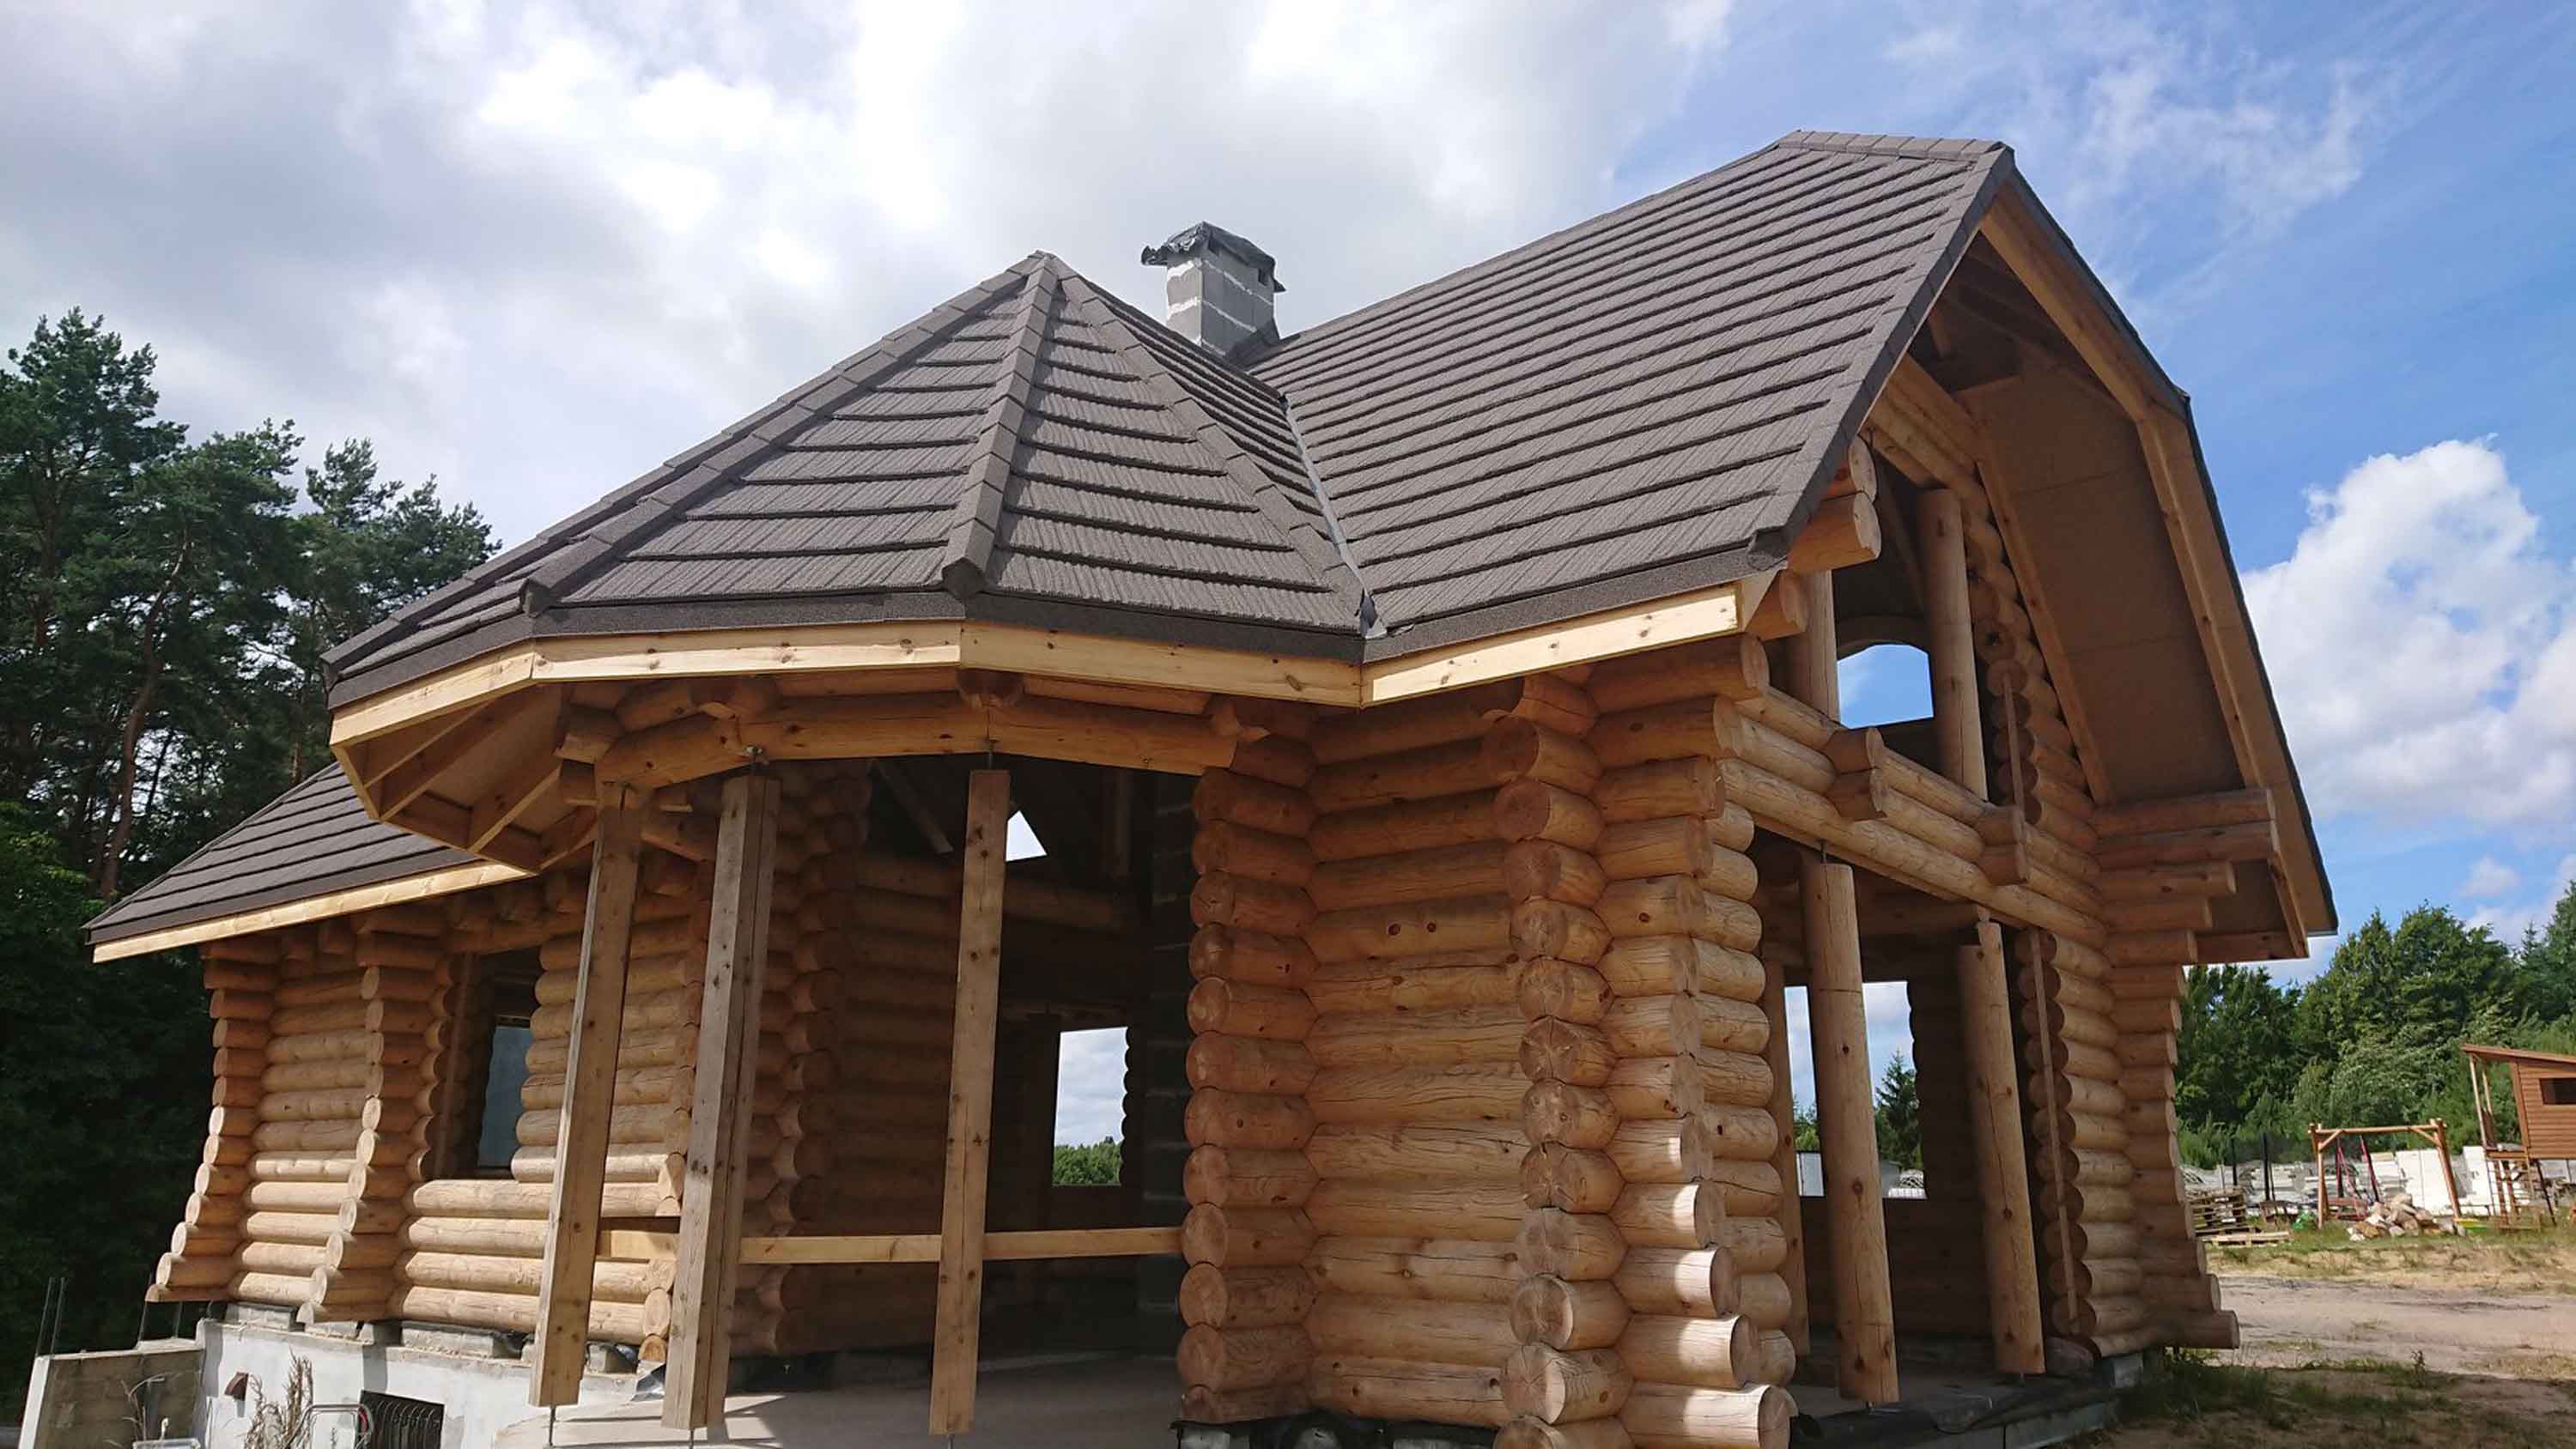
(957, 1334)
(1815, 653)
(2450, 1179)
(1784, 1157)
(1847, 1126)
(2003, 1174)
(1813, 676)
(590, 1089)
(710, 1243)
(1956, 722)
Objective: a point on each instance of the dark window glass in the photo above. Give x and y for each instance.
(502, 993)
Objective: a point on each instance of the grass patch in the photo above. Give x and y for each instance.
(2192, 1398)
(2187, 1386)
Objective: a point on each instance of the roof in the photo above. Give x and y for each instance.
(1647, 402)
(1032, 443)
(314, 839)
(1644, 404)
(2518, 1055)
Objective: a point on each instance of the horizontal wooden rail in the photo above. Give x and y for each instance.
(998, 1247)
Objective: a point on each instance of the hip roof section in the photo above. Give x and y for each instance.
(1640, 406)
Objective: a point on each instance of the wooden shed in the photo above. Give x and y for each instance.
(1431, 720)
(2544, 1101)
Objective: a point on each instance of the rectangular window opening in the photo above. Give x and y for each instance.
(1091, 1095)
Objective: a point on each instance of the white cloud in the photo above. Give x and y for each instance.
(630, 223)
(2156, 134)
(2509, 920)
(1091, 1086)
(1891, 1035)
(2489, 877)
(2419, 639)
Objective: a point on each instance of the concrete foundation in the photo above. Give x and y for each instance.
(115, 1396)
(482, 1396)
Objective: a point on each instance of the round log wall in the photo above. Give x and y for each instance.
(1247, 1294)
(1711, 1279)
(862, 1077)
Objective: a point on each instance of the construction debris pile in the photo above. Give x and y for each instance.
(2397, 1216)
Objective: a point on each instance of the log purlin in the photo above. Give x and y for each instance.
(1247, 1295)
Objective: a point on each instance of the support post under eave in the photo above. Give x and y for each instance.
(710, 1241)
(590, 1088)
(957, 1334)
(1957, 722)
(1838, 1032)
(2003, 1172)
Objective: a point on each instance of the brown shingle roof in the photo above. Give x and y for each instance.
(1639, 406)
(314, 839)
(1642, 405)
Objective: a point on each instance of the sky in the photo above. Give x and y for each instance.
(532, 250)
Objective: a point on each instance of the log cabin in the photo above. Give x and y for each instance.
(1432, 721)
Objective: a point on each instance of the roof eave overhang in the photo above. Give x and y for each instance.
(1332, 670)
(143, 937)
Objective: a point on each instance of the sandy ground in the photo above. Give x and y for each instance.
(2497, 1369)
(2288, 1322)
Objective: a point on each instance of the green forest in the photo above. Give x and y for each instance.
(2373, 1039)
(166, 594)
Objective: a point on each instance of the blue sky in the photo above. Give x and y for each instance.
(532, 249)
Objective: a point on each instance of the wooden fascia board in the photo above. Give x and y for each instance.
(445, 881)
(1706, 613)
(2183, 496)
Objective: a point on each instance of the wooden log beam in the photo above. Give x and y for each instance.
(957, 1332)
(1864, 1318)
(1993, 1094)
(1958, 725)
(702, 1288)
(2183, 812)
(590, 1071)
(1843, 532)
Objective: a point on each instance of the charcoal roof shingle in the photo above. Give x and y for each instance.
(314, 839)
(1638, 406)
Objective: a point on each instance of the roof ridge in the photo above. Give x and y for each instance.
(1323, 554)
(966, 552)
(1866, 143)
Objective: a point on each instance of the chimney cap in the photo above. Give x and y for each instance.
(1207, 236)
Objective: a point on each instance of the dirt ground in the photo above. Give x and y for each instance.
(2460, 1344)
(2287, 1323)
